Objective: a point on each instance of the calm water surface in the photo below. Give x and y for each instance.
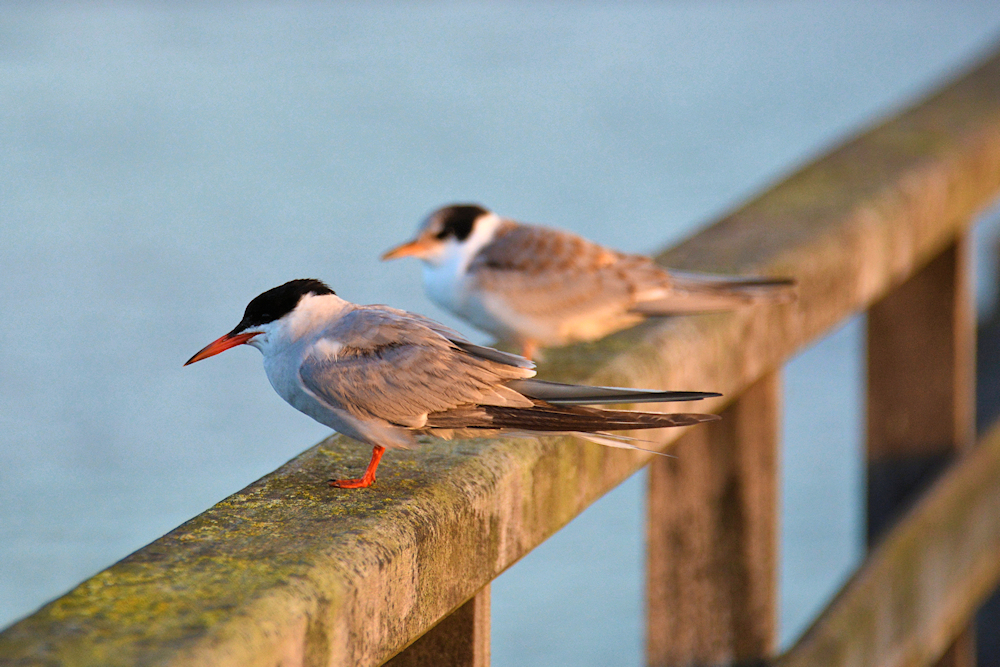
(160, 165)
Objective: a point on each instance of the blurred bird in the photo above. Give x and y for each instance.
(383, 376)
(538, 287)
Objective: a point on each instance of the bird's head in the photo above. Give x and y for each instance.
(459, 228)
(263, 315)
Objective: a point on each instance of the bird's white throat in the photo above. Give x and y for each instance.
(445, 270)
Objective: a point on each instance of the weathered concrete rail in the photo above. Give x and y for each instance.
(290, 572)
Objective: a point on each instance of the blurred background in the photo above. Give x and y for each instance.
(163, 163)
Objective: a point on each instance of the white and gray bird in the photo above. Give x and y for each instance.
(383, 376)
(534, 286)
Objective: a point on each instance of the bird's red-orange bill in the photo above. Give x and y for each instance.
(221, 345)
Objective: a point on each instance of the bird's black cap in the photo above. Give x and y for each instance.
(277, 302)
(457, 220)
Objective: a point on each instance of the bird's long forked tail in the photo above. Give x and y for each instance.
(592, 424)
(545, 417)
(560, 409)
(703, 293)
(557, 393)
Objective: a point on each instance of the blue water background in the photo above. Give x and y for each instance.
(162, 163)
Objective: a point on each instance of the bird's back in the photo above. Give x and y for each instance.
(556, 287)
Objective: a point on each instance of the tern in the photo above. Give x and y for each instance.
(535, 286)
(384, 376)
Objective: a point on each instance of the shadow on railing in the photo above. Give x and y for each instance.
(288, 572)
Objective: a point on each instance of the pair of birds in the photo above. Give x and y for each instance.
(382, 375)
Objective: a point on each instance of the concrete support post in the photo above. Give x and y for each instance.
(462, 639)
(921, 389)
(713, 538)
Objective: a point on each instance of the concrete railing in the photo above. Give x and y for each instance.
(289, 572)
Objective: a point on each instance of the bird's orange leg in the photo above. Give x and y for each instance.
(528, 349)
(365, 480)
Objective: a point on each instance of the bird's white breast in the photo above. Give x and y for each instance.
(447, 283)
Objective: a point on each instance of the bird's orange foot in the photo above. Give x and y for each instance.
(361, 483)
(365, 480)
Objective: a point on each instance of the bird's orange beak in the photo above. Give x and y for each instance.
(414, 248)
(221, 345)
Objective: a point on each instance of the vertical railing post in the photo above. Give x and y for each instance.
(921, 375)
(712, 536)
(462, 639)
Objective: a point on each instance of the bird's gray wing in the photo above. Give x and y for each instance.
(385, 364)
(542, 271)
(460, 341)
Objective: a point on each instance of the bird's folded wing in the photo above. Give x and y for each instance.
(545, 271)
(386, 364)
(697, 292)
(380, 311)
(460, 341)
